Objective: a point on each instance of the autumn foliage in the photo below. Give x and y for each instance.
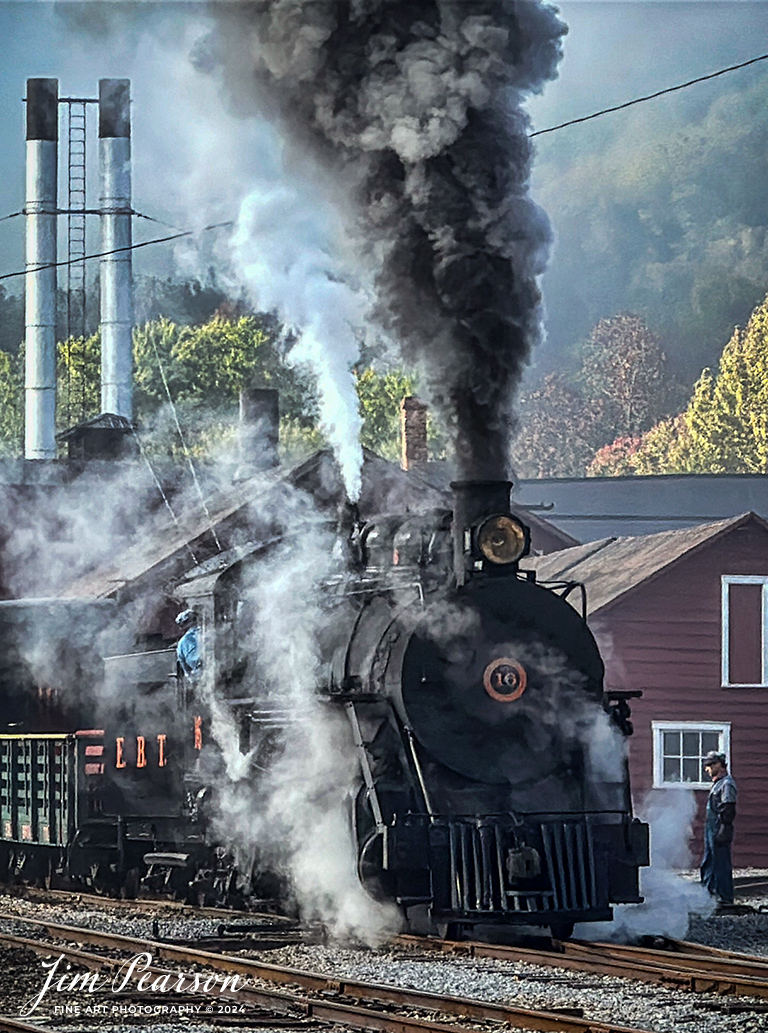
(723, 429)
(621, 388)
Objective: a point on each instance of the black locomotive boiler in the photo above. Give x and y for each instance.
(494, 787)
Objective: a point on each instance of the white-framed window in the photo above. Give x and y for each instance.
(744, 641)
(679, 748)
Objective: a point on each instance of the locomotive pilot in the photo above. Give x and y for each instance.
(716, 867)
(188, 653)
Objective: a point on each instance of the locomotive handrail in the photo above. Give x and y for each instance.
(139, 652)
(568, 587)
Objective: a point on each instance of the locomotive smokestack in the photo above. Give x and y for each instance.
(474, 501)
(116, 269)
(40, 209)
(413, 428)
(258, 432)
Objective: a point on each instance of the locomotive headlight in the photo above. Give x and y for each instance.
(501, 539)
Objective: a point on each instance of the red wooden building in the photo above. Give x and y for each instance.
(683, 616)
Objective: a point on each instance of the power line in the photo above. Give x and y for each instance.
(187, 453)
(538, 132)
(118, 250)
(151, 218)
(650, 96)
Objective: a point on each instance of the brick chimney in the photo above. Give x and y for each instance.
(413, 433)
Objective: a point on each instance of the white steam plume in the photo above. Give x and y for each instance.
(670, 900)
(286, 253)
(295, 815)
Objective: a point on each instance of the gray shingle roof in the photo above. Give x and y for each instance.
(243, 512)
(593, 508)
(613, 567)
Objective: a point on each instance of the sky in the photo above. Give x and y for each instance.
(194, 160)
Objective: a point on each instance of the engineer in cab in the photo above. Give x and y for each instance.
(188, 651)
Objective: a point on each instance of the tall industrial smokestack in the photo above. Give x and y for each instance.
(40, 338)
(116, 269)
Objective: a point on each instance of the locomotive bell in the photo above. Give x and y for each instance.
(487, 538)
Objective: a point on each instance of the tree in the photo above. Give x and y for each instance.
(78, 380)
(11, 404)
(554, 438)
(727, 417)
(662, 449)
(11, 321)
(380, 396)
(621, 387)
(616, 459)
(662, 212)
(207, 365)
(624, 378)
(184, 302)
(200, 370)
(153, 352)
(724, 428)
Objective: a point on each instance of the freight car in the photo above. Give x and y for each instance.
(493, 783)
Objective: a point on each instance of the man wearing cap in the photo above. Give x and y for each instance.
(716, 867)
(188, 649)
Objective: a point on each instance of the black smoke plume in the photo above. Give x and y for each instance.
(414, 107)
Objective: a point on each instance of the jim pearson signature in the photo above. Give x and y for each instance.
(135, 973)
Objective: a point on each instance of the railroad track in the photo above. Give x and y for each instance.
(747, 885)
(298, 994)
(48, 896)
(307, 998)
(679, 964)
(17, 1026)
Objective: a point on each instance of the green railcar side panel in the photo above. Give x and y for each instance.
(36, 801)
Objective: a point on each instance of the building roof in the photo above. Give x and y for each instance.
(238, 515)
(166, 547)
(104, 421)
(613, 567)
(546, 535)
(594, 508)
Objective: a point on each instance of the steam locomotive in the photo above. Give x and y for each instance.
(493, 787)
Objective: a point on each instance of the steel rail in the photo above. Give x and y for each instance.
(723, 964)
(701, 974)
(318, 1007)
(17, 1026)
(38, 895)
(688, 947)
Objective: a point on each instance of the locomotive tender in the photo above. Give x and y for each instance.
(493, 786)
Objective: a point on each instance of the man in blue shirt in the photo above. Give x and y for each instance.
(188, 651)
(716, 866)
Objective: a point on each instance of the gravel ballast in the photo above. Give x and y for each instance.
(604, 998)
